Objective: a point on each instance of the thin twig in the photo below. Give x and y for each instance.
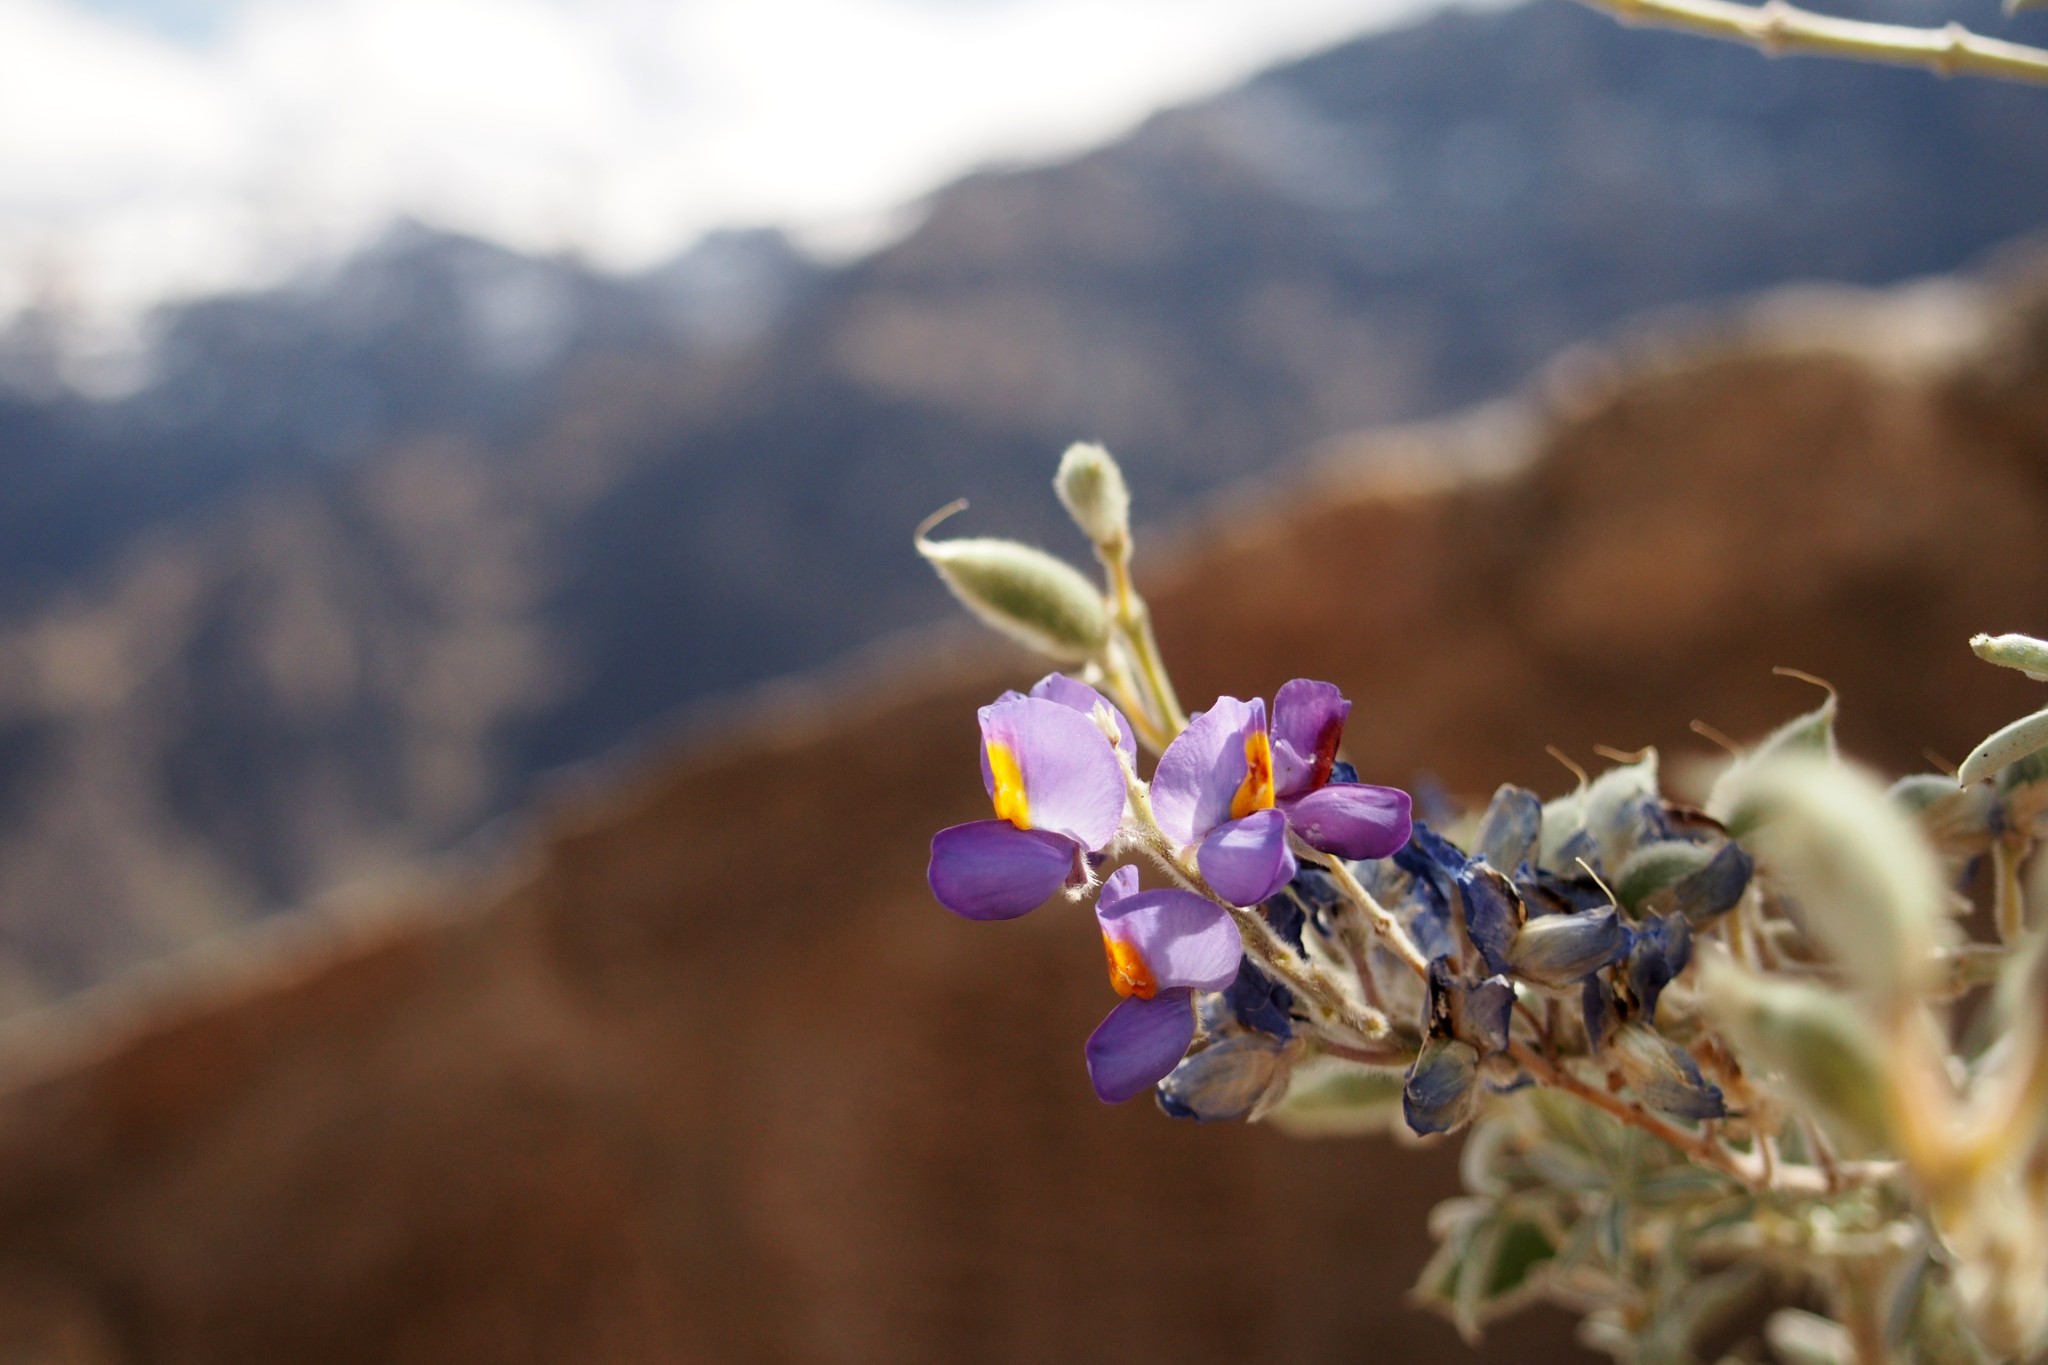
(1692, 1145)
(1777, 28)
(1383, 921)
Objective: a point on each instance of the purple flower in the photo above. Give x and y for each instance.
(1058, 790)
(1162, 947)
(1231, 789)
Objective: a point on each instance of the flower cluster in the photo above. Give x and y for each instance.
(1735, 1054)
(1231, 799)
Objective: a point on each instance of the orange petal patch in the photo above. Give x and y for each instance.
(1128, 973)
(1256, 791)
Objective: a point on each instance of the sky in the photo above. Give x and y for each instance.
(160, 149)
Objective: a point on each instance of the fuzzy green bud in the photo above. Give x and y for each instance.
(2026, 736)
(1860, 872)
(2024, 652)
(1043, 603)
(1093, 490)
(1815, 1041)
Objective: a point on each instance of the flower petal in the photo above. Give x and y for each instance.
(1134, 1048)
(1200, 772)
(990, 869)
(1083, 698)
(1308, 725)
(1182, 939)
(1352, 819)
(1117, 885)
(1247, 860)
(1064, 768)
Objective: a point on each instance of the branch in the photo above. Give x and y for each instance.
(1778, 28)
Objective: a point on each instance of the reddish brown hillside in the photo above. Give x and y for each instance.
(708, 1077)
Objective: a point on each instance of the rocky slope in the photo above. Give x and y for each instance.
(704, 1075)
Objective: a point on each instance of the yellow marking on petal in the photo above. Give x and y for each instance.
(1129, 973)
(1256, 791)
(1011, 803)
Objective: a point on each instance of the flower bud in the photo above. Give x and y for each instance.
(1863, 880)
(1508, 830)
(2025, 736)
(1560, 950)
(1815, 1041)
(1812, 735)
(1235, 1078)
(1664, 1075)
(2024, 652)
(1042, 603)
(1093, 489)
(1442, 1088)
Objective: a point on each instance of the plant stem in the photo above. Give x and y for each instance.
(1388, 927)
(1778, 28)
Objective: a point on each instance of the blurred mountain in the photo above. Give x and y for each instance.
(367, 555)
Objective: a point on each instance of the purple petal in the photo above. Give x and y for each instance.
(1247, 860)
(1308, 725)
(1139, 1043)
(1117, 885)
(990, 869)
(1083, 698)
(1071, 780)
(1200, 772)
(1352, 819)
(1183, 939)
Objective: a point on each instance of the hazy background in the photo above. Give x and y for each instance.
(404, 400)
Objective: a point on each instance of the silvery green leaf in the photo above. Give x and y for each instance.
(1653, 867)
(2023, 652)
(1508, 830)
(1504, 1256)
(1810, 734)
(2027, 735)
(1043, 603)
(1802, 1338)
(1692, 1308)
(1816, 1041)
(1865, 882)
(1683, 1184)
(1092, 488)
(1329, 1098)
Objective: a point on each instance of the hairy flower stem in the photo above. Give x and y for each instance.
(1260, 942)
(1132, 620)
(1387, 926)
(1779, 28)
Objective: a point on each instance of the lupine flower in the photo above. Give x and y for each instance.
(1162, 947)
(1230, 788)
(1058, 789)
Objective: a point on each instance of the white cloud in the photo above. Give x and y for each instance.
(134, 168)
